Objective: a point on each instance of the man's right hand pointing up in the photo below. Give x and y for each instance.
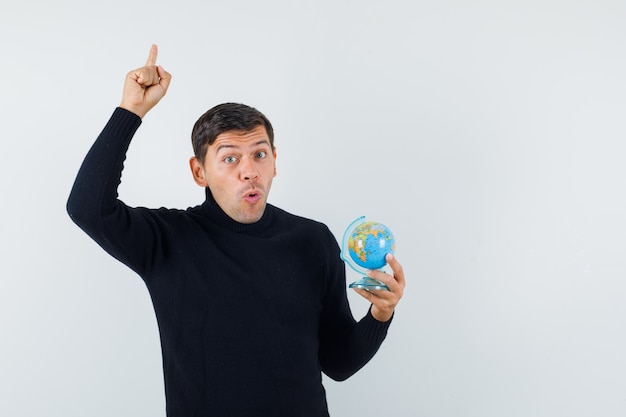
(145, 86)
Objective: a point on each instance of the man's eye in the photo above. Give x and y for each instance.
(230, 159)
(261, 154)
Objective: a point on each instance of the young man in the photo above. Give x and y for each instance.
(250, 313)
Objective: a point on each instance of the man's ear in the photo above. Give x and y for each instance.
(197, 170)
(274, 162)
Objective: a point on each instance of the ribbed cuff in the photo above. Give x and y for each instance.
(376, 329)
(122, 122)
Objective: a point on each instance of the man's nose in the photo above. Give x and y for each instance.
(248, 170)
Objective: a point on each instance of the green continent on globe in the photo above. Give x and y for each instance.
(369, 243)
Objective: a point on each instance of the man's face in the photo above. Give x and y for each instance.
(238, 168)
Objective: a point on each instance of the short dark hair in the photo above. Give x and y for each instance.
(225, 117)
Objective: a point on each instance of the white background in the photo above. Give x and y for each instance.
(489, 135)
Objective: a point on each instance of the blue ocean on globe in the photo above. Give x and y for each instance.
(369, 243)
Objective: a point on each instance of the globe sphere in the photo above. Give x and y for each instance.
(369, 243)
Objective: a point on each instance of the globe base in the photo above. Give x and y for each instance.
(367, 283)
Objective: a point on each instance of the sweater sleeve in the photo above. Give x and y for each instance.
(128, 234)
(345, 344)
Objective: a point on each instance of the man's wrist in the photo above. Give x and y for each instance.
(133, 109)
(380, 315)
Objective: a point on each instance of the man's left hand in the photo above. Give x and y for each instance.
(384, 302)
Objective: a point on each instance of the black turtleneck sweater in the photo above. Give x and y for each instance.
(249, 314)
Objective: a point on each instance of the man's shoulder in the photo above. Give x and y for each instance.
(295, 220)
(168, 213)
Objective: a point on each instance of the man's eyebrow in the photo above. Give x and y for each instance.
(263, 142)
(220, 147)
(228, 146)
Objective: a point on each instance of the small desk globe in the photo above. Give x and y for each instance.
(365, 246)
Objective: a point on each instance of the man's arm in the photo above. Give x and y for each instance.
(129, 234)
(346, 345)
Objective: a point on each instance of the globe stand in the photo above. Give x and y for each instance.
(384, 245)
(367, 283)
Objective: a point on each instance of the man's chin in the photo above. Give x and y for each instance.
(251, 216)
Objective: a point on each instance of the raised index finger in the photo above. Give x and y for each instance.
(152, 58)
